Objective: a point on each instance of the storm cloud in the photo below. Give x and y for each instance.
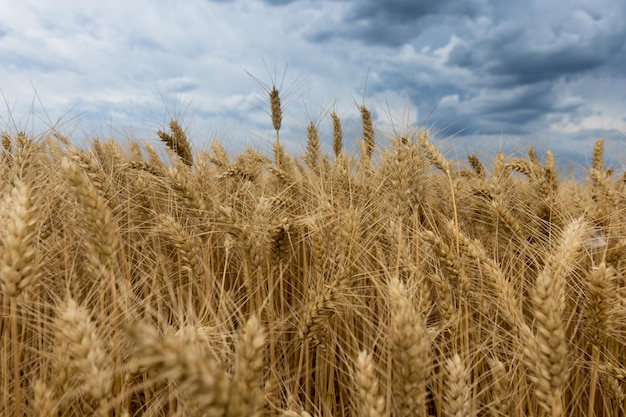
(484, 70)
(495, 68)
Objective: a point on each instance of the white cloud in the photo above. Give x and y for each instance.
(136, 62)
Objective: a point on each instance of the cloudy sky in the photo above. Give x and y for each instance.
(490, 74)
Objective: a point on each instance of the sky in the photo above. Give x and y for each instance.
(481, 75)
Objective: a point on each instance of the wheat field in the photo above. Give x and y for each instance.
(393, 283)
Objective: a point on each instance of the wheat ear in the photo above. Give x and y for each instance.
(172, 357)
(337, 134)
(520, 165)
(410, 351)
(434, 155)
(371, 403)
(598, 155)
(449, 261)
(277, 119)
(551, 364)
(87, 350)
(102, 240)
(19, 257)
(189, 194)
(44, 402)
(281, 244)
(246, 395)
(313, 147)
(500, 404)
(502, 288)
(565, 255)
(444, 293)
(7, 152)
(457, 394)
(477, 166)
(89, 165)
(188, 245)
(507, 216)
(316, 313)
(277, 109)
(155, 161)
(599, 300)
(178, 142)
(369, 141)
(401, 168)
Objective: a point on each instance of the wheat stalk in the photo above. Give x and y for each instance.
(292, 413)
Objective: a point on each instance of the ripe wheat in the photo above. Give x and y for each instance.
(398, 283)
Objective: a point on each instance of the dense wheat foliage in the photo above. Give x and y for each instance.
(396, 283)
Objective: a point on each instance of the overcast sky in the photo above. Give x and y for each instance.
(493, 74)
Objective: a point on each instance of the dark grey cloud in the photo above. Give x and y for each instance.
(279, 2)
(526, 104)
(479, 107)
(395, 22)
(519, 111)
(394, 11)
(511, 69)
(407, 11)
(513, 57)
